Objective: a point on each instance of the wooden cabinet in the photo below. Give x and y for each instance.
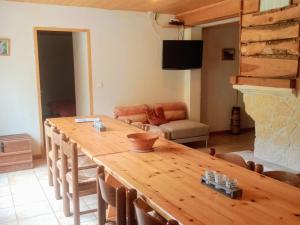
(15, 152)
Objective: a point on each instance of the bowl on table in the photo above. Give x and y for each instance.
(142, 142)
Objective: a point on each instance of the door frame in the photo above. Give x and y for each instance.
(37, 65)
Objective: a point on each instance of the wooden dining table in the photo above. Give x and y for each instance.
(169, 179)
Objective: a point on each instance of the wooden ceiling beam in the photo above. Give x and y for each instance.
(218, 11)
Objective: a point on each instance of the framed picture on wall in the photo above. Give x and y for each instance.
(228, 54)
(4, 47)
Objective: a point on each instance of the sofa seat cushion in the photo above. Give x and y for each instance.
(184, 129)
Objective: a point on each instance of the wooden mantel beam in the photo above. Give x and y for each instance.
(218, 11)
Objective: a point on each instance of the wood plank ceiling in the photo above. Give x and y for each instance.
(161, 6)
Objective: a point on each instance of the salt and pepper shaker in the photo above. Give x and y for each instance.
(99, 126)
(221, 180)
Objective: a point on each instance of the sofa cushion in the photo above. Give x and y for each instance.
(173, 111)
(184, 129)
(156, 116)
(133, 113)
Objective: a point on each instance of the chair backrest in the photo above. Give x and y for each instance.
(142, 214)
(47, 127)
(109, 195)
(56, 143)
(235, 159)
(287, 177)
(48, 136)
(69, 151)
(145, 215)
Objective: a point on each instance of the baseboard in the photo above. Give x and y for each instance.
(243, 130)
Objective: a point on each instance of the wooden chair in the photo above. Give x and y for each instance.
(237, 160)
(145, 215)
(110, 196)
(48, 145)
(54, 156)
(82, 179)
(287, 177)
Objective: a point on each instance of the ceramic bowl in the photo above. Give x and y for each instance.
(142, 142)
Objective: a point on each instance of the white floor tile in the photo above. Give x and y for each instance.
(21, 172)
(70, 220)
(32, 210)
(3, 180)
(49, 219)
(10, 223)
(92, 222)
(6, 202)
(4, 191)
(24, 198)
(7, 215)
(27, 199)
(24, 179)
(90, 199)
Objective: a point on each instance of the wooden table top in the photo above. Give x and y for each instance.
(93, 143)
(170, 182)
(169, 179)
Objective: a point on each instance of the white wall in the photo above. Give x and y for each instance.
(272, 4)
(81, 73)
(192, 80)
(126, 58)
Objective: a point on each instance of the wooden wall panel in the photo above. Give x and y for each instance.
(251, 6)
(270, 46)
(275, 16)
(266, 33)
(268, 67)
(214, 12)
(285, 47)
(264, 82)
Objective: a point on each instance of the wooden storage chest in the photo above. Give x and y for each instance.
(15, 152)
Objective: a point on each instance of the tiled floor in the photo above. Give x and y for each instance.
(27, 199)
(228, 143)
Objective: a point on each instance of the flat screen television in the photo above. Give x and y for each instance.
(182, 54)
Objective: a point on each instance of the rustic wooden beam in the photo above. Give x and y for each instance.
(271, 17)
(251, 6)
(264, 82)
(214, 12)
(269, 67)
(269, 48)
(266, 33)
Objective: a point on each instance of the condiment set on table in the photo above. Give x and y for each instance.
(97, 123)
(221, 183)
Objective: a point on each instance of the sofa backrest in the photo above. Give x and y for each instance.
(173, 110)
(136, 113)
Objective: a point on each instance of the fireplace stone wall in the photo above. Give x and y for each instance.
(277, 125)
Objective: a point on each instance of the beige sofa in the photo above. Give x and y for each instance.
(178, 128)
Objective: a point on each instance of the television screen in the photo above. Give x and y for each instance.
(182, 54)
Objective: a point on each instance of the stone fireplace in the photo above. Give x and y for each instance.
(276, 112)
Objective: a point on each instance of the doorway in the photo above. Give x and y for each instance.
(64, 79)
(57, 78)
(220, 61)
